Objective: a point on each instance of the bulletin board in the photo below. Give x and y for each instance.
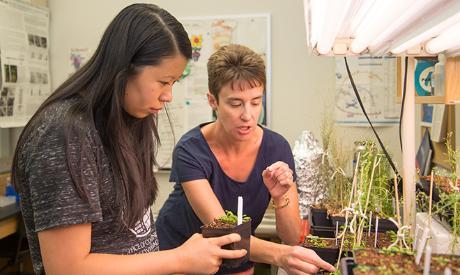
(24, 61)
(190, 106)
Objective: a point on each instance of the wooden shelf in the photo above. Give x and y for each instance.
(452, 82)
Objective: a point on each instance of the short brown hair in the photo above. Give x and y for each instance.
(235, 64)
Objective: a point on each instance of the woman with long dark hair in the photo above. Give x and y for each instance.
(84, 163)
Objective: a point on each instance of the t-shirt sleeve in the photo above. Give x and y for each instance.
(186, 166)
(54, 197)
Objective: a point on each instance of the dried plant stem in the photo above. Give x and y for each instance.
(376, 163)
(398, 214)
(355, 179)
(430, 200)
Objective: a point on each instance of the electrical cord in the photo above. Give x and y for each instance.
(402, 103)
(370, 123)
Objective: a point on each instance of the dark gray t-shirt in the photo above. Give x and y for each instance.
(50, 199)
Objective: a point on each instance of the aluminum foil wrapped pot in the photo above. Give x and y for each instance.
(308, 155)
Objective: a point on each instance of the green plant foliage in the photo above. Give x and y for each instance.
(316, 241)
(232, 218)
(397, 250)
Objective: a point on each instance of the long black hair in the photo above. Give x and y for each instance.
(140, 35)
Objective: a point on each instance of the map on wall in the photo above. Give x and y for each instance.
(375, 79)
(190, 106)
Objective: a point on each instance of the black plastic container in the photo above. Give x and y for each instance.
(244, 230)
(384, 224)
(425, 186)
(319, 217)
(322, 231)
(346, 266)
(328, 254)
(318, 230)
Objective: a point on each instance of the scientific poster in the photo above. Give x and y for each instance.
(375, 79)
(24, 61)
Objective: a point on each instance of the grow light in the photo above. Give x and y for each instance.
(397, 27)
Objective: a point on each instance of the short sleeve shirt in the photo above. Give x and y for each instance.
(50, 199)
(193, 160)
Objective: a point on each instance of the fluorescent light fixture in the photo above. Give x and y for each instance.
(318, 13)
(374, 22)
(336, 12)
(377, 26)
(453, 51)
(448, 39)
(432, 27)
(417, 9)
(356, 13)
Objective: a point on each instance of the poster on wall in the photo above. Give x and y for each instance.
(375, 79)
(190, 106)
(24, 61)
(77, 58)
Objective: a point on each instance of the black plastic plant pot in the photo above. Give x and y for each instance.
(337, 219)
(426, 188)
(329, 255)
(319, 217)
(244, 230)
(346, 266)
(322, 231)
(384, 225)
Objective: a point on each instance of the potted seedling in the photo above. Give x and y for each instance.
(384, 261)
(326, 248)
(229, 224)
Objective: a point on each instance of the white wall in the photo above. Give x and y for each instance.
(302, 85)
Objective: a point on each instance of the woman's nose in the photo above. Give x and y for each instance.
(246, 115)
(166, 95)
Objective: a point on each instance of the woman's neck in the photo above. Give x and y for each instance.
(217, 137)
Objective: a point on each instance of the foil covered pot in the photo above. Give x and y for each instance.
(308, 157)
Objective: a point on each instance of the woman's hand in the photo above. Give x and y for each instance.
(300, 260)
(278, 179)
(201, 255)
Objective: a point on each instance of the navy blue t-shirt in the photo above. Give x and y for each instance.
(193, 160)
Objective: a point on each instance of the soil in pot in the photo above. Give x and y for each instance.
(372, 261)
(219, 228)
(440, 262)
(383, 241)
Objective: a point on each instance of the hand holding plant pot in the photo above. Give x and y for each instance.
(228, 224)
(200, 255)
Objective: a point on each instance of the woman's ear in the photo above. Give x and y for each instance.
(212, 101)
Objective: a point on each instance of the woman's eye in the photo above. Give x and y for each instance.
(256, 103)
